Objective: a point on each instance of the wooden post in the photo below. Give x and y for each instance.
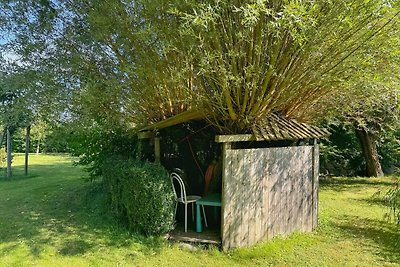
(315, 183)
(224, 218)
(157, 149)
(27, 144)
(139, 154)
(8, 153)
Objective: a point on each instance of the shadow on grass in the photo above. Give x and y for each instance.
(34, 171)
(343, 183)
(373, 200)
(73, 218)
(74, 247)
(19, 178)
(385, 235)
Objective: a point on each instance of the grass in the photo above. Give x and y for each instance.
(54, 218)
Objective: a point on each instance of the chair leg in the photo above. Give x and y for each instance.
(193, 211)
(204, 214)
(185, 217)
(176, 209)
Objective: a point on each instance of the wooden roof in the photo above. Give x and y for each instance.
(278, 128)
(272, 128)
(185, 116)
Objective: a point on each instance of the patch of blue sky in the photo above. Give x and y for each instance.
(6, 37)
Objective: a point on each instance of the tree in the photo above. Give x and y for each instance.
(258, 57)
(39, 131)
(236, 62)
(370, 95)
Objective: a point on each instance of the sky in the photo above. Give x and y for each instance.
(7, 55)
(3, 40)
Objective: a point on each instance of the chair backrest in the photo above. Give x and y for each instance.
(177, 180)
(208, 177)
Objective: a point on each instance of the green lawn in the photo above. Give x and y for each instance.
(54, 218)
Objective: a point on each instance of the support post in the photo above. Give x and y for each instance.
(27, 145)
(157, 149)
(8, 153)
(315, 183)
(224, 220)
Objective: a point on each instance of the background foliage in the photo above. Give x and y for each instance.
(98, 69)
(341, 154)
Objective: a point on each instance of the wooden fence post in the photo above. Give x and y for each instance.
(8, 153)
(315, 183)
(226, 147)
(27, 144)
(157, 152)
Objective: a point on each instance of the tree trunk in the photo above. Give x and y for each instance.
(38, 147)
(27, 144)
(370, 152)
(8, 153)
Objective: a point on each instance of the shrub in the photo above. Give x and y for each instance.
(95, 145)
(389, 150)
(392, 198)
(141, 194)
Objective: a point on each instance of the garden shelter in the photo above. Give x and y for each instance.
(269, 179)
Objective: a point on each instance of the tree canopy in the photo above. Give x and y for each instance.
(236, 61)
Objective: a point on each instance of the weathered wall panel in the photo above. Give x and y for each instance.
(268, 192)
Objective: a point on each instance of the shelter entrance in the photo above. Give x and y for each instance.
(267, 180)
(191, 152)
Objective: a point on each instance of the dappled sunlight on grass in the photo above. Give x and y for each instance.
(54, 217)
(55, 212)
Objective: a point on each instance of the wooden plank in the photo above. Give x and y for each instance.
(146, 135)
(300, 200)
(292, 165)
(271, 193)
(226, 212)
(177, 119)
(309, 175)
(267, 131)
(315, 183)
(304, 196)
(244, 157)
(283, 165)
(234, 138)
(251, 195)
(290, 200)
(259, 196)
(306, 193)
(274, 195)
(297, 200)
(157, 149)
(312, 184)
(286, 190)
(281, 197)
(207, 236)
(265, 190)
(301, 206)
(295, 177)
(243, 202)
(237, 171)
